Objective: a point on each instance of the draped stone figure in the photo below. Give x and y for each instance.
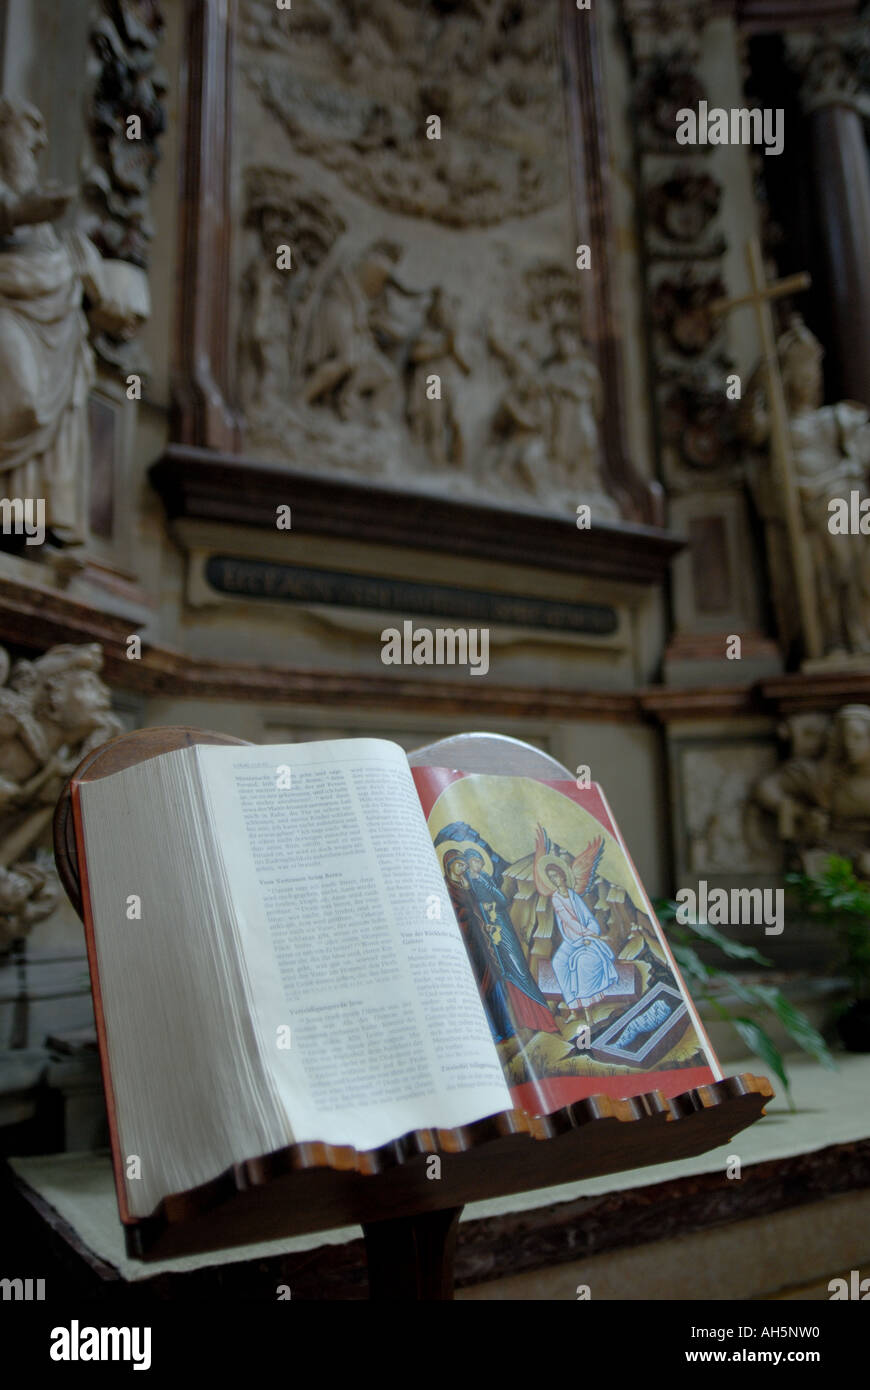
(574, 389)
(434, 420)
(46, 362)
(53, 711)
(830, 451)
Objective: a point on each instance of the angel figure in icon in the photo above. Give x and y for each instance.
(584, 964)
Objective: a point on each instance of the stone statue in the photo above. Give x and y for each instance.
(830, 448)
(789, 791)
(434, 422)
(821, 795)
(53, 711)
(574, 390)
(28, 893)
(46, 362)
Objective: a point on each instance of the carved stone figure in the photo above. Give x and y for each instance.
(545, 427)
(46, 363)
(830, 450)
(520, 422)
(574, 391)
(789, 791)
(280, 213)
(347, 327)
(821, 796)
(53, 711)
(435, 422)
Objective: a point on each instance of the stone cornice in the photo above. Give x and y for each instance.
(209, 486)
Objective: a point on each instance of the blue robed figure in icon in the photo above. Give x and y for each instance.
(518, 995)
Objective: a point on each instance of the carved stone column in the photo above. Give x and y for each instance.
(835, 93)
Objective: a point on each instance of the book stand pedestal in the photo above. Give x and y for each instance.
(410, 1220)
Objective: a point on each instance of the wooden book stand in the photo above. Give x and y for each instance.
(409, 1221)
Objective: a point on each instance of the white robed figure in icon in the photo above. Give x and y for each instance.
(583, 964)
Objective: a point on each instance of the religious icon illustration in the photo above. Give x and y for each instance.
(573, 970)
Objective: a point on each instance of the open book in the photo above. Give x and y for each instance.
(316, 942)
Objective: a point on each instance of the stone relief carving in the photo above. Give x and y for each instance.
(681, 208)
(680, 306)
(668, 84)
(353, 340)
(435, 423)
(519, 425)
(573, 388)
(126, 82)
(344, 353)
(698, 422)
(53, 711)
(278, 213)
(46, 362)
(355, 85)
(820, 795)
(724, 827)
(684, 247)
(544, 433)
(118, 172)
(830, 448)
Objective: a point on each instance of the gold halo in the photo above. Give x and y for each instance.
(542, 883)
(464, 846)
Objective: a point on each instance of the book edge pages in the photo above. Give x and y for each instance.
(99, 1020)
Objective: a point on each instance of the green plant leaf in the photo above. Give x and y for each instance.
(735, 949)
(797, 1025)
(749, 993)
(763, 1046)
(690, 963)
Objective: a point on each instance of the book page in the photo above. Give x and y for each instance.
(581, 989)
(367, 1013)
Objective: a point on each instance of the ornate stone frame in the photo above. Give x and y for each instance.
(204, 412)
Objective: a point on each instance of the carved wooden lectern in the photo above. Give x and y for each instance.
(410, 1223)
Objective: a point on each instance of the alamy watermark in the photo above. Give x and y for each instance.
(849, 516)
(23, 1290)
(744, 907)
(714, 125)
(76, 1343)
(855, 1288)
(441, 646)
(23, 517)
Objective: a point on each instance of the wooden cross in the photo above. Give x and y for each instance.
(760, 297)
